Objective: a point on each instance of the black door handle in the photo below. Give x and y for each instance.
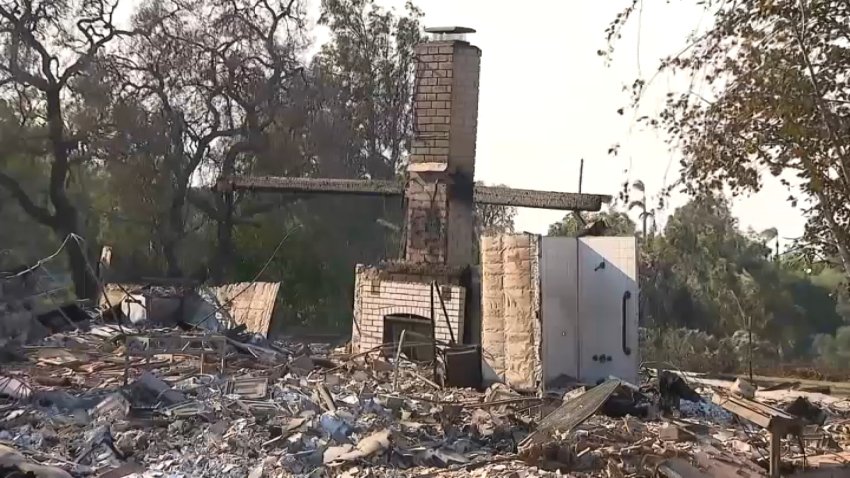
(626, 296)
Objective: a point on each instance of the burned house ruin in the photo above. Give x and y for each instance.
(436, 290)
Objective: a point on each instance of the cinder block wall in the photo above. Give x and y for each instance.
(375, 299)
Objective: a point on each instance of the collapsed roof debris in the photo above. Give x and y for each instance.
(200, 307)
(273, 409)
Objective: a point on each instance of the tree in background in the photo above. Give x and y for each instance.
(772, 98)
(368, 66)
(129, 128)
(358, 126)
(834, 350)
(775, 100)
(618, 224)
(646, 214)
(24, 240)
(48, 49)
(493, 219)
(701, 273)
(180, 124)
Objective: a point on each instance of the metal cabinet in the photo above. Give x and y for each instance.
(589, 308)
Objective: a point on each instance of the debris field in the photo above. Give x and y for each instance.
(111, 401)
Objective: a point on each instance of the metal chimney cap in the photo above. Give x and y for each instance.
(449, 30)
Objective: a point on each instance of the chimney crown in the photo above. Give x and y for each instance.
(449, 33)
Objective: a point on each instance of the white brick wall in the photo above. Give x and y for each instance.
(391, 298)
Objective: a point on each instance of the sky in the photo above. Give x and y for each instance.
(547, 100)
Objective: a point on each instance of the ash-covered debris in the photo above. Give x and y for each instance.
(192, 407)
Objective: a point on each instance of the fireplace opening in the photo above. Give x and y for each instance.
(418, 339)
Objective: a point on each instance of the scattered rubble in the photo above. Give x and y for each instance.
(261, 408)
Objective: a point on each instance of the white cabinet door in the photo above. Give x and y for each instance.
(559, 308)
(608, 308)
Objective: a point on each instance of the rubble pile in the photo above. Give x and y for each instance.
(117, 401)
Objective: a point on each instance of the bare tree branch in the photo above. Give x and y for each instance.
(37, 212)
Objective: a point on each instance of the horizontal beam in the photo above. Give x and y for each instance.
(495, 195)
(281, 184)
(503, 196)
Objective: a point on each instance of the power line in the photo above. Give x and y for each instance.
(250, 283)
(28, 270)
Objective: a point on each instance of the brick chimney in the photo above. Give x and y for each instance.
(441, 169)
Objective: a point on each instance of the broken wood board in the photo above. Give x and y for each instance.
(765, 416)
(723, 380)
(250, 303)
(571, 413)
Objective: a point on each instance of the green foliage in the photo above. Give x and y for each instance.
(696, 350)
(686, 349)
(150, 130)
(702, 272)
(618, 224)
(210, 88)
(834, 350)
(773, 99)
(704, 284)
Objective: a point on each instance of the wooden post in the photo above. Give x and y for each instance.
(398, 359)
(777, 422)
(222, 349)
(126, 360)
(434, 331)
(436, 288)
(775, 453)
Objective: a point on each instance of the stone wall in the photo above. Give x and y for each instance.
(510, 322)
(375, 299)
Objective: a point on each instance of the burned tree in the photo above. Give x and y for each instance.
(205, 79)
(48, 50)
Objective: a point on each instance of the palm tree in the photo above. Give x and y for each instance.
(645, 213)
(768, 235)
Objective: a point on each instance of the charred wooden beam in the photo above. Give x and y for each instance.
(503, 196)
(280, 184)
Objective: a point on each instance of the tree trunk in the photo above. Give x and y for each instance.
(172, 236)
(85, 283)
(223, 262)
(65, 219)
(225, 247)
